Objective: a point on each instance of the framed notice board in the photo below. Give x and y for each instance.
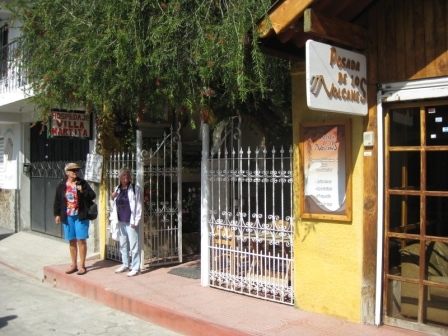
(94, 168)
(325, 153)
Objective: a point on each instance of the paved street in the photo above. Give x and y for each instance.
(28, 307)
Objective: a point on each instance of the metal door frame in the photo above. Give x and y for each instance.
(161, 246)
(160, 217)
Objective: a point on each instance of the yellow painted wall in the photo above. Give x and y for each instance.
(103, 220)
(327, 254)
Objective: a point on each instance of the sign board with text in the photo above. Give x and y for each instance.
(325, 150)
(70, 124)
(336, 79)
(94, 168)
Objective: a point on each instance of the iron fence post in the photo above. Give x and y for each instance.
(139, 177)
(179, 195)
(205, 196)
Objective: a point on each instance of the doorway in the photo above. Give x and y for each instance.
(160, 165)
(48, 159)
(416, 215)
(250, 222)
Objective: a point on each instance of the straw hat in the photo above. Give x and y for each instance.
(71, 166)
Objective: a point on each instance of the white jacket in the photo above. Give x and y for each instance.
(136, 210)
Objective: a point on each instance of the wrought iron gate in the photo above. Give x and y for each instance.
(250, 219)
(162, 215)
(161, 181)
(115, 163)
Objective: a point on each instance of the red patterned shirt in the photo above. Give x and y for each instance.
(72, 200)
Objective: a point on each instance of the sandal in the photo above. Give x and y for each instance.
(82, 270)
(71, 270)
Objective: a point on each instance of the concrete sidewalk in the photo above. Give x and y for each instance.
(172, 301)
(28, 253)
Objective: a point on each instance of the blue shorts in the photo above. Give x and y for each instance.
(75, 228)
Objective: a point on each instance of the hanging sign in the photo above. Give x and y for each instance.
(325, 152)
(69, 124)
(94, 168)
(336, 79)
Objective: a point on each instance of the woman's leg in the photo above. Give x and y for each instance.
(70, 235)
(82, 246)
(82, 233)
(135, 251)
(124, 246)
(73, 253)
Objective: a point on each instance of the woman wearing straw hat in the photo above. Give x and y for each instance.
(70, 209)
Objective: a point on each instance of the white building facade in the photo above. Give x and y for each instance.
(15, 118)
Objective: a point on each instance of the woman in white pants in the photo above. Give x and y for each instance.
(126, 212)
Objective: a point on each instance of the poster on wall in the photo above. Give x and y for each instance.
(94, 168)
(325, 150)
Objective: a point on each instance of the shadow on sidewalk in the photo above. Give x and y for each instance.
(189, 261)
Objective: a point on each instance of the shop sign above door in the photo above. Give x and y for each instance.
(336, 79)
(69, 124)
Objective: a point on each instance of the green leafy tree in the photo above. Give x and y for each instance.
(125, 58)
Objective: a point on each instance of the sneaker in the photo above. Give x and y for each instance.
(121, 269)
(132, 273)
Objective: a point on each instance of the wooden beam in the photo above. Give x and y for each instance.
(283, 54)
(299, 40)
(333, 29)
(282, 15)
(288, 34)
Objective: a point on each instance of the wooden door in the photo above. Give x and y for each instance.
(416, 214)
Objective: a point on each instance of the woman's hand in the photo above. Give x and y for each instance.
(114, 194)
(57, 220)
